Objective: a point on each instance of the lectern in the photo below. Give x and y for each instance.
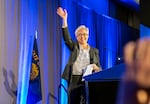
(102, 87)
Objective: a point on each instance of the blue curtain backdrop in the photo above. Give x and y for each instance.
(39, 16)
(28, 25)
(111, 36)
(49, 42)
(108, 39)
(85, 16)
(144, 31)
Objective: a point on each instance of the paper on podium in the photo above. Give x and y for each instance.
(87, 71)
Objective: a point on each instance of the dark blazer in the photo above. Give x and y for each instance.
(74, 48)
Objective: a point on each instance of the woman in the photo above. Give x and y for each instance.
(82, 55)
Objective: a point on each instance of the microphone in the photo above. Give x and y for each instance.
(119, 60)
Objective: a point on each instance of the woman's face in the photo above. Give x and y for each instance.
(82, 36)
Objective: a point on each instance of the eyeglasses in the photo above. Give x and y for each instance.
(84, 34)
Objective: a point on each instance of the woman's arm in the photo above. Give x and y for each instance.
(66, 35)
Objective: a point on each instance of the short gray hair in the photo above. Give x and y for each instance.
(82, 27)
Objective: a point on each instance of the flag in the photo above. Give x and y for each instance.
(34, 90)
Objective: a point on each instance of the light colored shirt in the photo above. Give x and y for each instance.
(82, 61)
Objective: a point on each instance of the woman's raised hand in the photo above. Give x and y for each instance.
(62, 13)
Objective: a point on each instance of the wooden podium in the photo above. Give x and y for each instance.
(102, 87)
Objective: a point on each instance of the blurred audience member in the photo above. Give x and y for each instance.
(135, 85)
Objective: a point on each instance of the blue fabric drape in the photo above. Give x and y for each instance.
(112, 35)
(49, 42)
(21, 19)
(144, 31)
(85, 16)
(108, 39)
(28, 25)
